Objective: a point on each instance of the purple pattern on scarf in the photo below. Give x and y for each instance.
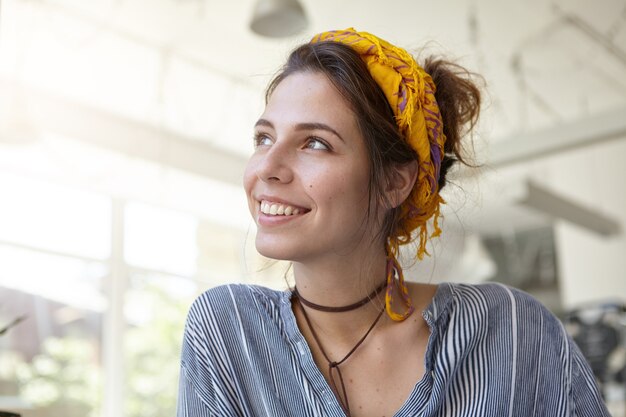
(403, 98)
(415, 211)
(432, 182)
(435, 156)
(434, 119)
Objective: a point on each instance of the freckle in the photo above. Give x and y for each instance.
(351, 381)
(377, 390)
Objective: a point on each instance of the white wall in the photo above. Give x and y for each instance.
(592, 267)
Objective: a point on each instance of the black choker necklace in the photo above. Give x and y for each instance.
(339, 309)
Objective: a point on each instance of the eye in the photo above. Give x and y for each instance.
(317, 144)
(261, 139)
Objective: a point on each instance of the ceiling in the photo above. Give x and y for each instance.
(544, 62)
(193, 69)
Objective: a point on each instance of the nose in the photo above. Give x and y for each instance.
(274, 165)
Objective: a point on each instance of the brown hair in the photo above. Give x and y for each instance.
(457, 96)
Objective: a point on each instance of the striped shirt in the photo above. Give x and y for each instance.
(492, 351)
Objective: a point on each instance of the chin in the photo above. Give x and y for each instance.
(272, 250)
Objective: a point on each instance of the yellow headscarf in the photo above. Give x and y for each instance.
(410, 92)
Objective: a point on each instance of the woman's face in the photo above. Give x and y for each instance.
(307, 181)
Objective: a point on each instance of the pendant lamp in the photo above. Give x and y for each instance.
(278, 18)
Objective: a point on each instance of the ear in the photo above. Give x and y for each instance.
(401, 181)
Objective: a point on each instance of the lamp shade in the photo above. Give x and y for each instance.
(278, 18)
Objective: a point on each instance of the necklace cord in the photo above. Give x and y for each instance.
(333, 365)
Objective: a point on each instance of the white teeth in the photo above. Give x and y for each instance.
(277, 209)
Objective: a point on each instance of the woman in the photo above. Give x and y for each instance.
(351, 153)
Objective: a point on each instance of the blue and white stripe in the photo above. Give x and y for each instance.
(493, 351)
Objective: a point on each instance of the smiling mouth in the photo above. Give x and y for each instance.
(279, 209)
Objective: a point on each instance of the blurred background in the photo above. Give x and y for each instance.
(125, 126)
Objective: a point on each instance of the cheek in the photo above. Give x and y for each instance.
(346, 189)
(249, 180)
(249, 176)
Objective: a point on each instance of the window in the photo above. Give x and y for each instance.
(100, 288)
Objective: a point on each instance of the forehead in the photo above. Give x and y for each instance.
(310, 97)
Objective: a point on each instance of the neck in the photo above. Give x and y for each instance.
(337, 284)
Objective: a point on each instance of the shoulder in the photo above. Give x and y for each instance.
(222, 327)
(227, 317)
(490, 297)
(236, 294)
(229, 305)
(491, 311)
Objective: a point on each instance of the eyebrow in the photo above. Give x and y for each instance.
(303, 126)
